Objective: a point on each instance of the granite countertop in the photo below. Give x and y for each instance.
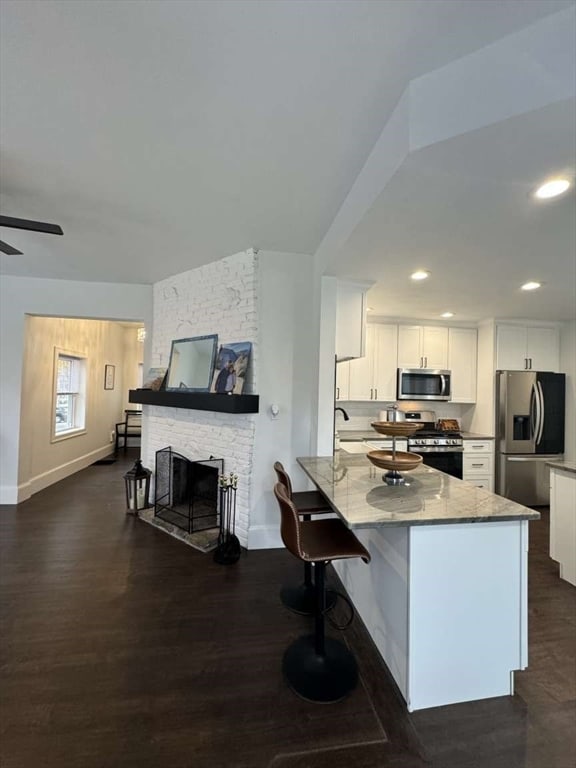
(355, 490)
(566, 466)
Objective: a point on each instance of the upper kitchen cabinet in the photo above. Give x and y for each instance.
(374, 377)
(343, 380)
(462, 361)
(422, 347)
(527, 348)
(350, 320)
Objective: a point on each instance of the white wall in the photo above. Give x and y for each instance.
(568, 366)
(57, 298)
(288, 377)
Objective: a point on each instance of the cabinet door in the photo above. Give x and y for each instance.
(409, 347)
(385, 346)
(361, 371)
(343, 381)
(511, 348)
(435, 347)
(350, 320)
(462, 356)
(543, 349)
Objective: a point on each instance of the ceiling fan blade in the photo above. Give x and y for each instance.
(8, 249)
(33, 226)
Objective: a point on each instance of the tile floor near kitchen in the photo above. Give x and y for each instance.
(123, 647)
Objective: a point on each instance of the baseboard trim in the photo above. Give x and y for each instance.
(265, 537)
(45, 479)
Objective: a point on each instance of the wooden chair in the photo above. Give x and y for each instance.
(130, 427)
(318, 668)
(301, 599)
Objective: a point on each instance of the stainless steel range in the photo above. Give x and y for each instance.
(439, 448)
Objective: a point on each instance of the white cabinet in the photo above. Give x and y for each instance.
(462, 362)
(350, 320)
(374, 377)
(343, 381)
(563, 522)
(527, 348)
(478, 463)
(422, 347)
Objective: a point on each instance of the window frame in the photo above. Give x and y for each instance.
(79, 398)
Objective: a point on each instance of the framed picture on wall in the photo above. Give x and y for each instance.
(109, 375)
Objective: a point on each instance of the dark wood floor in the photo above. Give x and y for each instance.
(123, 647)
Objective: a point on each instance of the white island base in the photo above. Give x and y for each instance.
(446, 606)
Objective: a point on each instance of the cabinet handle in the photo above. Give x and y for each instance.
(375, 394)
(371, 394)
(337, 393)
(530, 359)
(477, 465)
(425, 362)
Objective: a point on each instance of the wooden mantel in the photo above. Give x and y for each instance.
(198, 401)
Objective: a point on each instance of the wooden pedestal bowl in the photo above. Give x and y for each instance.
(396, 428)
(402, 461)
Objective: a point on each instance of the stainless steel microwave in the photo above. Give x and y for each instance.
(423, 384)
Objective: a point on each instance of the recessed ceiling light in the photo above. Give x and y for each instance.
(552, 188)
(447, 314)
(531, 286)
(420, 274)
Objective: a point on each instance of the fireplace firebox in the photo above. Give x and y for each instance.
(186, 492)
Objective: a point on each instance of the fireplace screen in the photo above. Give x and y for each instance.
(186, 492)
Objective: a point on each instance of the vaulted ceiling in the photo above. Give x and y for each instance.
(164, 135)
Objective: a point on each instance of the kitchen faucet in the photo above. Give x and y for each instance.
(336, 440)
(346, 417)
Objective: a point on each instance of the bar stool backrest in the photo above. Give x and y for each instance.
(283, 477)
(290, 522)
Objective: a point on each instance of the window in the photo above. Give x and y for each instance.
(69, 393)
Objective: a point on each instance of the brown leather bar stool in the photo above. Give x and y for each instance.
(302, 599)
(318, 668)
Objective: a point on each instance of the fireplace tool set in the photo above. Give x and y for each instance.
(228, 549)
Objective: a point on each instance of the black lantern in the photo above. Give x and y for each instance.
(137, 482)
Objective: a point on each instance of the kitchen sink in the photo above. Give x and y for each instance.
(354, 447)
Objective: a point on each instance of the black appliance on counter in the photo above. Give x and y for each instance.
(423, 384)
(440, 448)
(530, 414)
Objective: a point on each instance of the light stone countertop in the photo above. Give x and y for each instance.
(355, 489)
(566, 466)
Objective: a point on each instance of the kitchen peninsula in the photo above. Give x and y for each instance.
(445, 595)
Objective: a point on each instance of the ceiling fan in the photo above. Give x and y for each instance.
(32, 226)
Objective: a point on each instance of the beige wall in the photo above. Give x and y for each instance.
(41, 461)
(133, 356)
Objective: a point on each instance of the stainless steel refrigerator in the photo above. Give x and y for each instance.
(530, 413)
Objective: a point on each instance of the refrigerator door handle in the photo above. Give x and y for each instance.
(541, 402)
(527, 459)
(534, 412)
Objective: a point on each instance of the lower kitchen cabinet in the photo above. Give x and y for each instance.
(478, 463)
(563, 522)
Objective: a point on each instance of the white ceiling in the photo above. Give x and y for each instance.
(164, 135)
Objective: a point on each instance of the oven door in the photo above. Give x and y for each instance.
(449, 462)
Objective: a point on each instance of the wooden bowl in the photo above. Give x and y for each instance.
(402, 461)
(396, 428)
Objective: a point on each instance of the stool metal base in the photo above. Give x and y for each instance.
(320, 678)
(302, 599)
